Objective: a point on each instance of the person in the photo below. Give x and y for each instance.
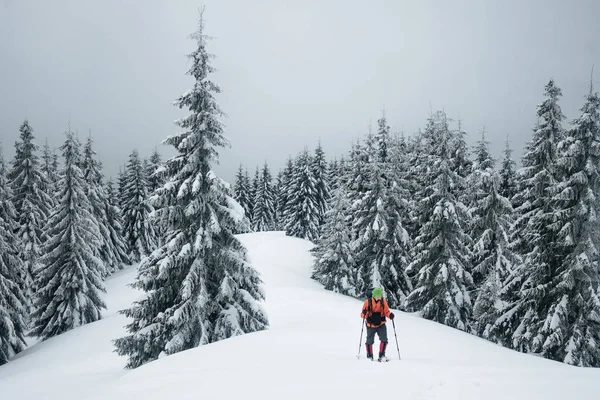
(375, 311)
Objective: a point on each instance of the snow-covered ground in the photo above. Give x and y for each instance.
(309, 352)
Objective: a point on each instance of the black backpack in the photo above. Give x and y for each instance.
(374, 318)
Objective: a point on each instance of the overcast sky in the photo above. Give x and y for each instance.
(292, 72)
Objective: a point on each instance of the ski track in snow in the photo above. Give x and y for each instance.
(308, 352)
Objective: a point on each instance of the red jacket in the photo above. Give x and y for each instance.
(377, 312)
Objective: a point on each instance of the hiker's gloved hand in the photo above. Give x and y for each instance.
(364, 313)
(391, 315)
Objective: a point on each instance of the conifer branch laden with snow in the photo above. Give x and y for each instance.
(199, 285)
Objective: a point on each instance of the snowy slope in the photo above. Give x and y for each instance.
(309, 352)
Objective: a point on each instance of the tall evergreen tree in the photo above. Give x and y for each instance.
(94, 191)
(69, 281)
(50, 171)
(283, 200)
(319, 171)
(508, 174)
(334, 264)
(383, 139)
(116, 241)
(139, 231)
(12, 297)
(442, 256)
(569, 323)
(264, 203)
(382, 244)
(153, 172)
(121, 185)
(535, 232)
(493, 260)
(31, 203)
(242, 191)
(200, 286)
(303, 209)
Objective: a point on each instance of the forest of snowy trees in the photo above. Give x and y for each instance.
(509, 254)
(503, 252)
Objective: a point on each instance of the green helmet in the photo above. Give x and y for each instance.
(377, 292)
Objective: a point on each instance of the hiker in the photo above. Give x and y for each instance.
(374, 311)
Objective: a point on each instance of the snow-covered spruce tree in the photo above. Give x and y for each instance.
(333, 170)
(319, 171)
(492, 258)
(334, 264)
(31, 202)
(284, 193)
(535, 232)
(242, 191)
(200, 286)
(442, 256)
(382, 244)
(263, 215)
(121, 184)
(383, 139)
(12, 298)
(303, 209)
(277, 196)
(508, 174)
(116, 241)
(138, 229)
(94, 191)
(50, 171)
(69, 280)
(154, 176)
(569, 311)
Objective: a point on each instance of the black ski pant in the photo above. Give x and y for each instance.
(381, 333)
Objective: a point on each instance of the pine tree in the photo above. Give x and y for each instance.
(382, 244)
(264, 203)
(12, 298)
(94, 191)
(569, 328)
(333, 175)
(277, 196)
(535, 232)
(283, 200)
(121, 184)
(334, 264)
(442, 256)
(116, 241)
(69, 280)
(382, 137)
(31, 203)
(153, 172)
(508, 175)
(50, 170)
(302, 204)
(200, 286)
(319, 171)
(492, 258)
(138, 229)
(242, 191)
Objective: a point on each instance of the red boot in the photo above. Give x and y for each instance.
(369, 351)
(382, 347)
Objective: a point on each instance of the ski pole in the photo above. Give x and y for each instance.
(397, 348)
(361, 333)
